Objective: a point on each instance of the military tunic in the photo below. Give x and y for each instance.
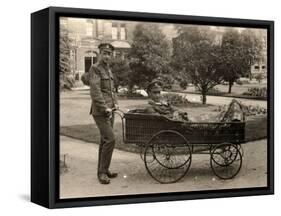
(166, 109)
(101, 89)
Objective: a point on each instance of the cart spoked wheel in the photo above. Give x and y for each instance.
(224, 154)
(226, 160)
(239, 146)
(167, 156)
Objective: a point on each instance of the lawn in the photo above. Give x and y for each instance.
(256, 129)
(76, 122)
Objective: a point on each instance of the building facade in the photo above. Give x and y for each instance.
(87, 34)
(259, 68)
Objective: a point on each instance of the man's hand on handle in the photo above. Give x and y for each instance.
(108, 113)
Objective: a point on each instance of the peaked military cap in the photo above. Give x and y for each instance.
(106, 46)
(155, 85)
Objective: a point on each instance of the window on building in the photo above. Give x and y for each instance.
(263, 67)
(123, 35)
(257, 67)
(114, 31)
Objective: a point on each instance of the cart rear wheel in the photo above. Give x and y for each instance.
(226, 160)
(167, 156)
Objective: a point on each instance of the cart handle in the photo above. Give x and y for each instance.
(121, 114)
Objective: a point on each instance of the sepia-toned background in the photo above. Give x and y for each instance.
(203, 69)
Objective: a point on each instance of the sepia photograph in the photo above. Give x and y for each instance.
(151, 108)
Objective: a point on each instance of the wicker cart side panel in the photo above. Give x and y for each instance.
(214, 133)
(140, 128)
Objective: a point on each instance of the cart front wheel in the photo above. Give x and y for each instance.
(226, 160)
(167, 156)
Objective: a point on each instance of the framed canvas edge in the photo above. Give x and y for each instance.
(40, 154)
(55, 202)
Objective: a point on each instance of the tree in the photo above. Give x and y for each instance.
(121, 71)
(149, 55)
(252, 46)
(197, 53)
(232, 57)
(259, 77)
(66, 79)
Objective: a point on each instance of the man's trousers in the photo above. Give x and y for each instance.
(107, 142)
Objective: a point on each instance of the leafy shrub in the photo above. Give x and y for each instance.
(249, 110)
(85, 79)
(131, 95)
(259, 77)
(242, 81)
(183, 84)
(67, 82)
(254, 110)
(175, 99)
(258, 92)
(239, 82)
(212, 91)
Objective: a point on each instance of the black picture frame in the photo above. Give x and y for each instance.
(45, 107)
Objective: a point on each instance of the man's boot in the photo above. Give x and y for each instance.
(103, 178)
(111, 174)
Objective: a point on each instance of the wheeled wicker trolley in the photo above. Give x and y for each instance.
(167, 146)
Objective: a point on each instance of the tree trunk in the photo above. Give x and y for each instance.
(230, 84)
(250, 71)
(204, 97)
(130, 89)
(204, 94)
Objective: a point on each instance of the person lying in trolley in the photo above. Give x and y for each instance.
(158, 106)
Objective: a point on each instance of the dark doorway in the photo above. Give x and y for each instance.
(89, 61)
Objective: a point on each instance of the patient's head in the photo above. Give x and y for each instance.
(154, 90)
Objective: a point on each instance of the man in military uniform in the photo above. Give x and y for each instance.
(159, 106)
(103, 102)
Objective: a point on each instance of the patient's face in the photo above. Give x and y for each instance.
(155, 95)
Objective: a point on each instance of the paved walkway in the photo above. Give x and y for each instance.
(81, 180)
